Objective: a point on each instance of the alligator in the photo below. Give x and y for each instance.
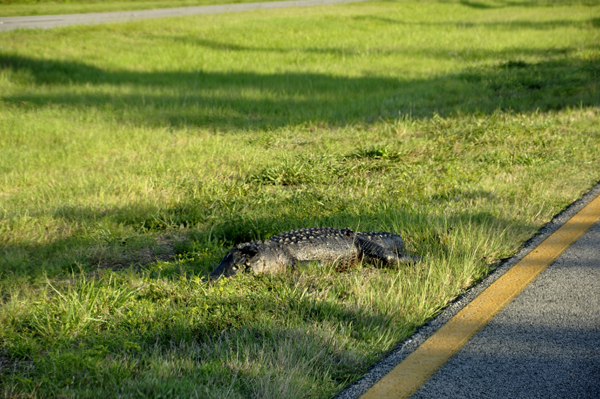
(323, 245)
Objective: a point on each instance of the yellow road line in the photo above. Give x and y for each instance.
(413, 371)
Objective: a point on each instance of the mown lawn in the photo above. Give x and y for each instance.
(133, 156)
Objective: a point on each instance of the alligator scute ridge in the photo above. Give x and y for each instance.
(325, 245)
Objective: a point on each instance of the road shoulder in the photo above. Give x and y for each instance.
(407, 347)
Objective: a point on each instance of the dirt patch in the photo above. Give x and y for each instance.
(162, 251)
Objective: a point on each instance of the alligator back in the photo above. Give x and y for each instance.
(323, 244)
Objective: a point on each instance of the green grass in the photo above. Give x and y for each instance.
(133, 156)
(12, 8)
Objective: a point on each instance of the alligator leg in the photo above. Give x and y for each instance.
(373, 252)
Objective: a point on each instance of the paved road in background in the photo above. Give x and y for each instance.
(544, 344)
(52, 21)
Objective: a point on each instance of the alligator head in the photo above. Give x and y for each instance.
(253, 257)
(237, 260)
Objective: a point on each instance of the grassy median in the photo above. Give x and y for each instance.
(133, 156)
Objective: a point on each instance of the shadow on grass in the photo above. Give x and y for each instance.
(494, 4)
(505, 25)
(244, 337)
(235, 100)
(144, 242)
(474, 54)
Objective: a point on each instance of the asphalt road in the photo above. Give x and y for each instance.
(53, 21)
(544, 344)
